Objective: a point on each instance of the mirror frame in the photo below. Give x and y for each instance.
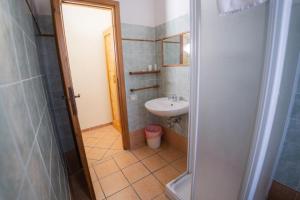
(181, 51)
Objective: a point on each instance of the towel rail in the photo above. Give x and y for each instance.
(144, 88)
(144, 72)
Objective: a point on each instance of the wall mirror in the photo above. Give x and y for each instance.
(176, 50)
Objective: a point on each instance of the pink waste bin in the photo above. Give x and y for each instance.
(153, 135)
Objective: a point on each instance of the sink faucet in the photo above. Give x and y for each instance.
(173, 97)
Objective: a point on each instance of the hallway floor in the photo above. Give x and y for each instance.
(137, 174)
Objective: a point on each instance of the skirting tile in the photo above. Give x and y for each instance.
(96, 127)
(174, 139)
(279, 191)
(137, 139)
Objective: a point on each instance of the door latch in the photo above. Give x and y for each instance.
(72, 100)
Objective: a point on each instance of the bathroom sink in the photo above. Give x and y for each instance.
(165, 107)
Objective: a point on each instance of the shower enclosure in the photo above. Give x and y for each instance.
(237, 67)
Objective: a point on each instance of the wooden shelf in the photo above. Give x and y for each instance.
(144, 88)
(144, 72)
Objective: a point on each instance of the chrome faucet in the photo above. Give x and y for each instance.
(173, 97)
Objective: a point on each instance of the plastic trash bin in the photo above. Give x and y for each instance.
(153, 135)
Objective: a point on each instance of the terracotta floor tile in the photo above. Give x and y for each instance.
(166, 174)
(143, 152)
(88, 134)
(93, 174)
(98, 191)
(125, 159)
(87, 149)
(89, 142)
(96, 153)
(116, 132)
(88, 137)
(106, 156)
(109, 139)
(104, 143)
(135, 172)
(105, 168)
(108, 129)
(113, 183)
(91, 162)
(125, 194)
(170, 154)
(109, 133)
(148, 188)
(118, 144)
(180, 164)
(98, 133)
(154, 163)
(99, 136)
(112, 132)
(112, 152)
(162, 197)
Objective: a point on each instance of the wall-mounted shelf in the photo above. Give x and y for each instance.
(144, 88)
(144, 72)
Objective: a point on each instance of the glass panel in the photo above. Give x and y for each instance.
(232, 61)
(288, 168)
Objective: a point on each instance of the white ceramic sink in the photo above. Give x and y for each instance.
(165, 107)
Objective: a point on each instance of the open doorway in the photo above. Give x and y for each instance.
(89, 41)
(93, 69)
(92, 66)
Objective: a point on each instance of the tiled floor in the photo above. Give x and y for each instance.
(128, 175)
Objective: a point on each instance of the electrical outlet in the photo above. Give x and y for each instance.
(133, 97)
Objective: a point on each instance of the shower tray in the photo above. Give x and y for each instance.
(180, 188)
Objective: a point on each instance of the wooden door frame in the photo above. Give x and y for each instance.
(66, 73)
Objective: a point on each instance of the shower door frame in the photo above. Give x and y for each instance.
(261, 159)
(279, 13)
(67, 79)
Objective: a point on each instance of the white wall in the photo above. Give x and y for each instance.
(152, 12)
(232, 60)
(139, 12)
(84, 28)
(166, 10)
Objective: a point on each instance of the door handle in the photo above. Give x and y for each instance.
(76, 96)
(72, 100)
